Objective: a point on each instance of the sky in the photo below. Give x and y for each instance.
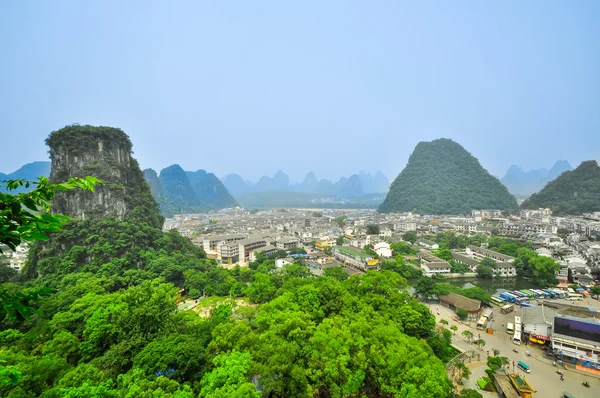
(330, 86)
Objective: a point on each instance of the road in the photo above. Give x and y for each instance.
(543, 376)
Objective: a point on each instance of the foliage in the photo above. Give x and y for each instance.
(340, 221)
(399, 266)
(401, 248)
(540, 268)
(418, 185)
(26, 217)
(467, 333)
(339, 240)
(485, 268)
(459, 268)
(410, 237)
(469, 393)
(336, 273)
(573, 192)
(595, 289)
(373, 229)
(425, 287)
(328, 250)
(496, 363)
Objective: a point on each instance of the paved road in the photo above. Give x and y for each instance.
(543, 376)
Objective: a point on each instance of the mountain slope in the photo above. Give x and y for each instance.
(210, 190)
(30, 171)
(573, 192)
(442, 177)
(178, 189)
(524, 183)
(235, 184)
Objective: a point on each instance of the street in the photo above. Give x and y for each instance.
(543, 376)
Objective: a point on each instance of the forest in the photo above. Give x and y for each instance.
(441, 177)
(111, 325)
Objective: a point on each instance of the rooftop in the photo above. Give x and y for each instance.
(461, 302)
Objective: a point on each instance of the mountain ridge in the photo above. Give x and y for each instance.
(442, 177)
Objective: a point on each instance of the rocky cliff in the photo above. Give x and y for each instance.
(103, 152)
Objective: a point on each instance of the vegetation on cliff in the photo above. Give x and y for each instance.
(573, 192)
(441, 177)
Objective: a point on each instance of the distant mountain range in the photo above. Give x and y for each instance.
(30, 171)
(441, 177)
(523, 183)
(179, 191)
(353, 186)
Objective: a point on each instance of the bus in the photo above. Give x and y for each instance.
(517, 320)
(522, 299)
(510, 328)
(498, 301)
(575, 297)
(508, 297)
(552, 293)
(523, 366)
(507, 309)
(489, 314)
(517, 337)
(543, 294)
(482, 323)
(536, 294)
(528, 294)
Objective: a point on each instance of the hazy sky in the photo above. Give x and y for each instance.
(330, 86)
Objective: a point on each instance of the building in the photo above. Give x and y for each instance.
(382, 249)
(537, 322)
(456, 301)
(287, 243)
(504, 269)
(266, 250)
(432, 264)
(246, 246)
(486, 213)
(405, 226)
(577, 340)
(210, 243)
(463, 258)
(481, 253)
(428, 244)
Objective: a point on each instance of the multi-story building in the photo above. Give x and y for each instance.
(211, 243)
(246, 246)
(481, 253)
(432, 264)
(486, 213)
(287, 243)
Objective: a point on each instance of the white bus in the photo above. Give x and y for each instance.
(510, 328)
(517, 320)
(482, 323)
(575, 297)
(507, 309)
(488, 314)
(517, 337)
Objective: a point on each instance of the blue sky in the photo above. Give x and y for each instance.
(329, 86)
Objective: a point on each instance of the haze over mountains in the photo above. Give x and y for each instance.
(523, 183)
(355, 185)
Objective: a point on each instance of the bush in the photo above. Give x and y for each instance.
(194, 293)
(462, 314)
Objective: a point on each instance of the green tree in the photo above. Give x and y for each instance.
(595, 289)
(469, 393)
(462, 314)
(339, 241)
(444, 254)
(328, 251)
(410, 237)
(467, 334)
(425, 287)
(373, 229)
(336, 273)
(340, 221)
(443, 322)
(495, 363)
(454, 328)
(544, 270)
(485, 268)
(229, 378)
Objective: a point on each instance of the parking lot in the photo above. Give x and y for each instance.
(543, 376)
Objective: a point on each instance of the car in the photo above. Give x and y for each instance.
(567, 395)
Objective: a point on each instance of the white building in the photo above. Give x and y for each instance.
(382, 249)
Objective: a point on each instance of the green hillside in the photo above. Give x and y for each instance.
(573, 192)
(442, 177)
